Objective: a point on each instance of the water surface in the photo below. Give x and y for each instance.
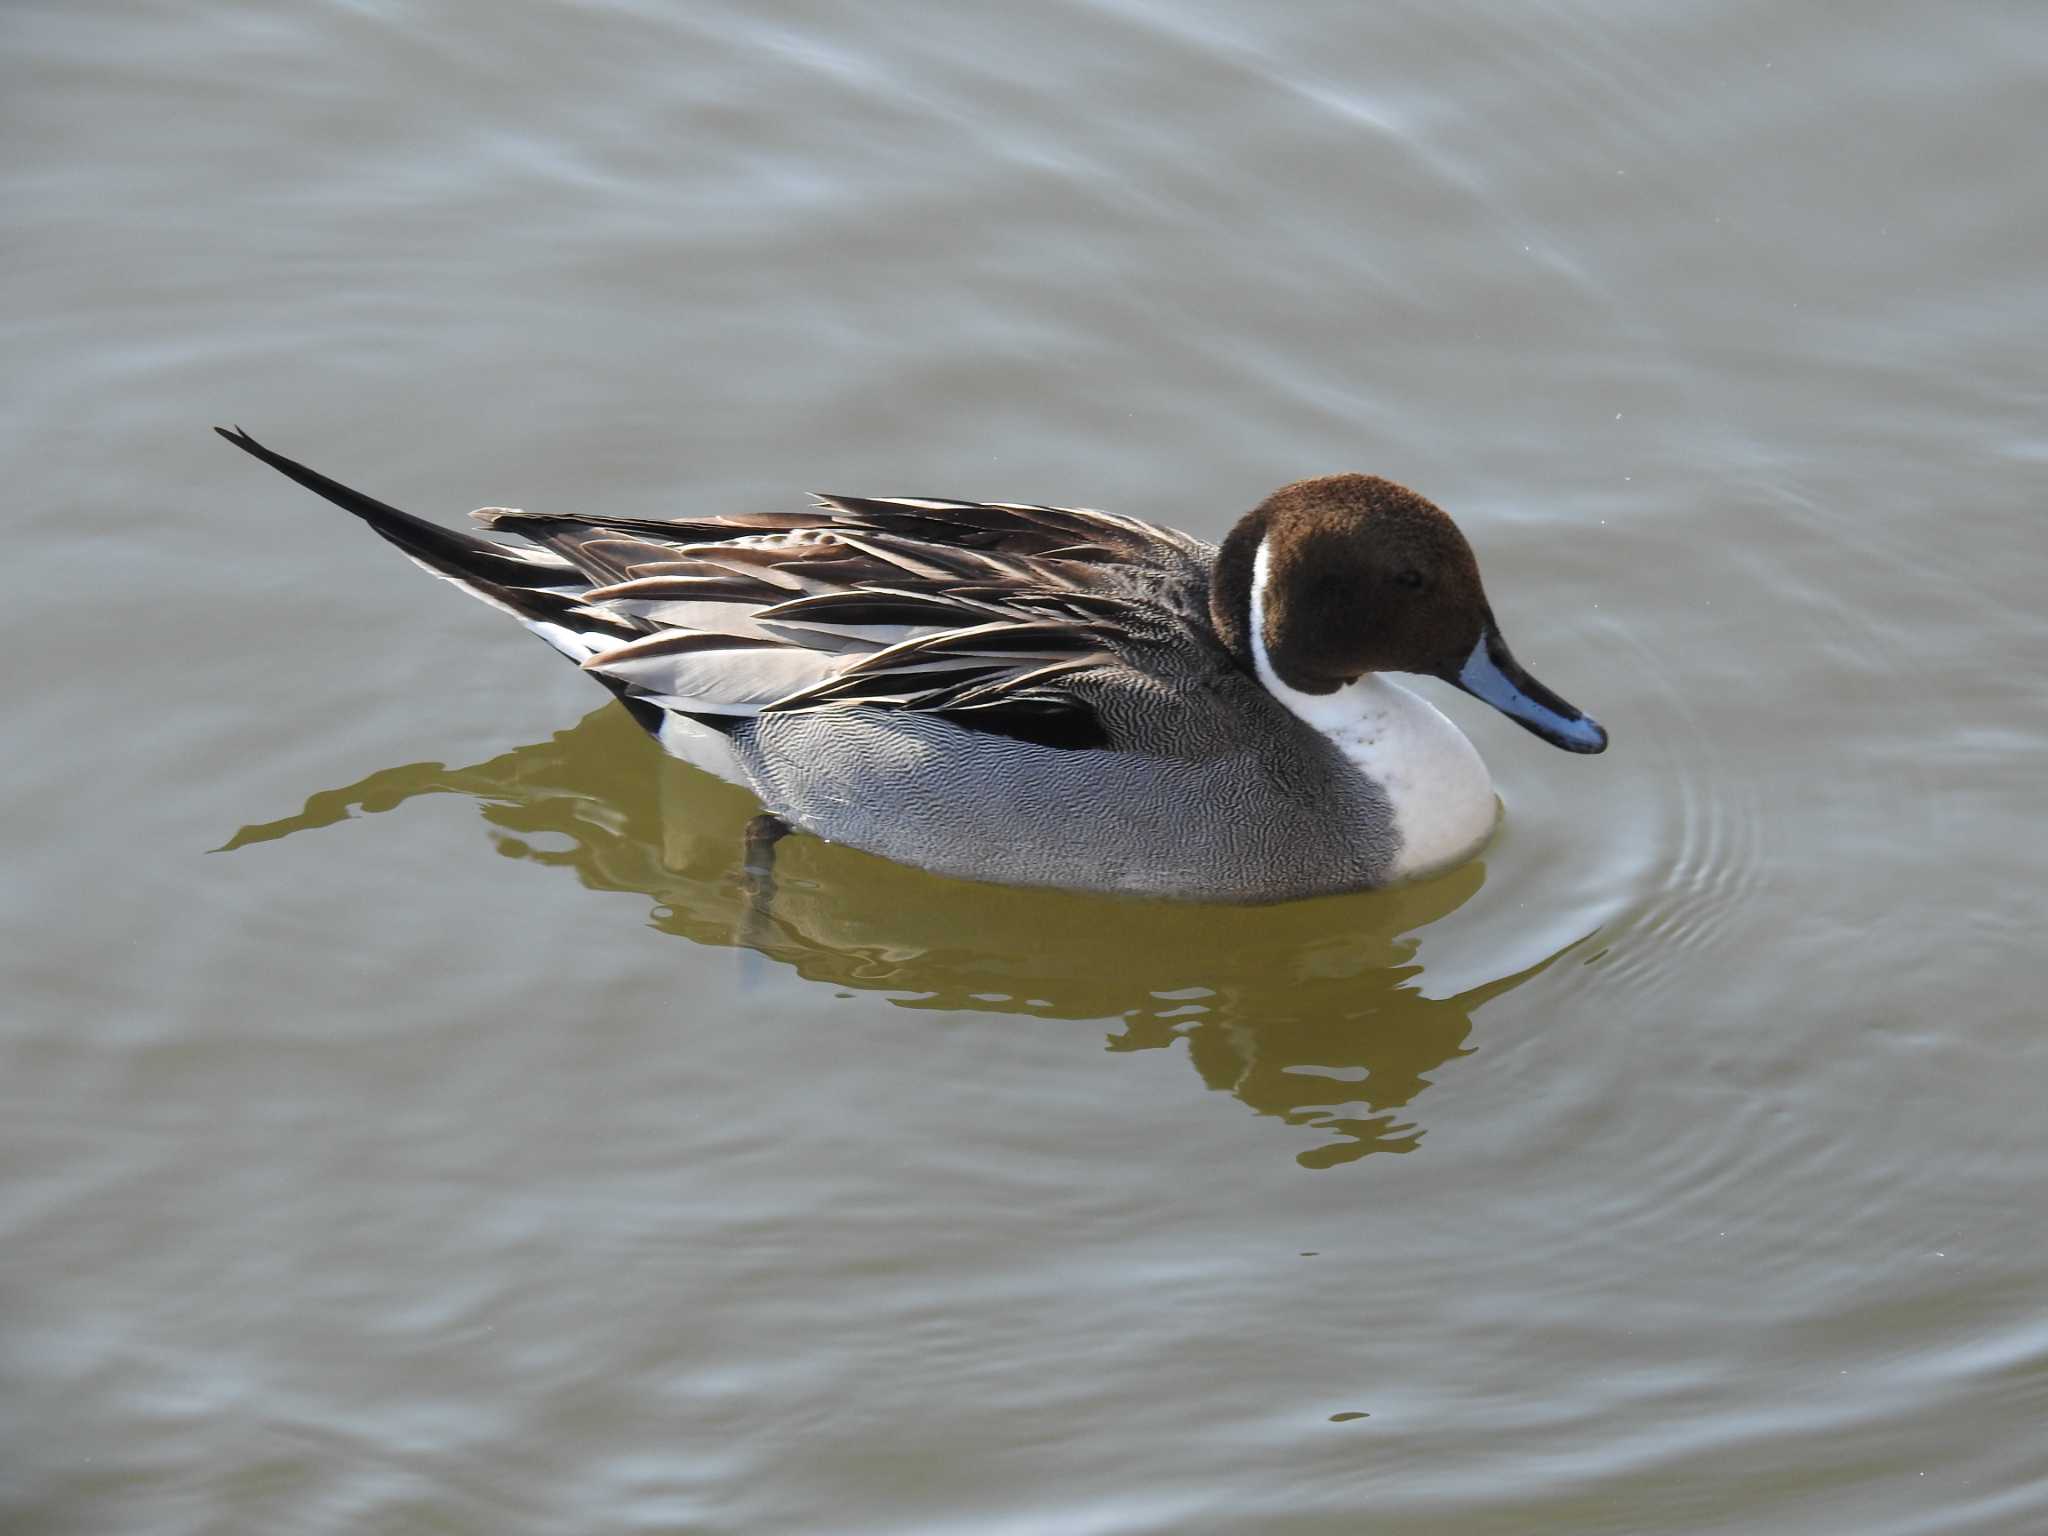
(461, 1148)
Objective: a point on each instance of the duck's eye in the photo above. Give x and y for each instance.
(1411, 579)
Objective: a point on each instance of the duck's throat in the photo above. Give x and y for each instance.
(1440, 792)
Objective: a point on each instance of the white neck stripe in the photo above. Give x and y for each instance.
(1321, 710)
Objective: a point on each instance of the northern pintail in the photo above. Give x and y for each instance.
(1042, 695)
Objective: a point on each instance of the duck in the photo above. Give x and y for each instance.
(1037, 695)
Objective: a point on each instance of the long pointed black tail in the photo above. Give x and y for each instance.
(498, 574)
(541, 590)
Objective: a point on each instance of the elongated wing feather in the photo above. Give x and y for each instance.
(715, 673)
(984, 611)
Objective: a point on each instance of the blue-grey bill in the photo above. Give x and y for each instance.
(1492, 673)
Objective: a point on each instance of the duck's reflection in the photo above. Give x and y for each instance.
(1310, 1012)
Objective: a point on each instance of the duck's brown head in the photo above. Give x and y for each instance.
(1332, 578)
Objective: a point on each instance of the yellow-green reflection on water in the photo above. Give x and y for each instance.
(1312, 1012)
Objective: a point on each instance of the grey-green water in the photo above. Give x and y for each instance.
(457, 1154)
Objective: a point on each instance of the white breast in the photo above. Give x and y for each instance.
(1441, 794)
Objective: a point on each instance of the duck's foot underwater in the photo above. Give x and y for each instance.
(757, 875)
(757, 845)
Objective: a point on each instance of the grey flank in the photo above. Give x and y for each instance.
(1208, 789)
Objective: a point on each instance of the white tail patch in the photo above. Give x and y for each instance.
(701, 747)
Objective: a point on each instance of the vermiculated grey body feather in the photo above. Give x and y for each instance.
(1207, 787)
